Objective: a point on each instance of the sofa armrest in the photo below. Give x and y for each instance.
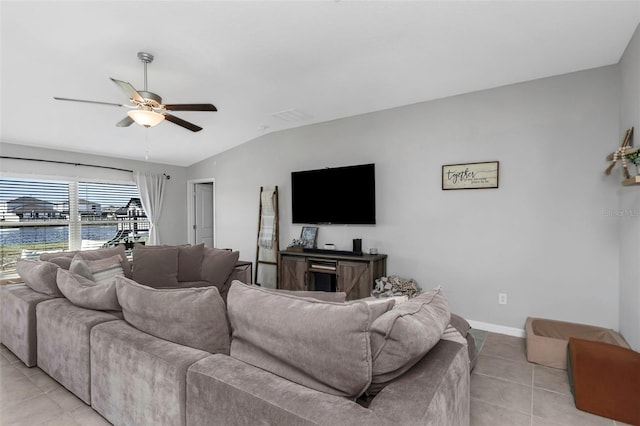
(435, 391)
(233, 392)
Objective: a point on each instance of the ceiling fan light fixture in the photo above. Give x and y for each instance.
(145, 118)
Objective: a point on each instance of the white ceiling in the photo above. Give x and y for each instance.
(326, 59)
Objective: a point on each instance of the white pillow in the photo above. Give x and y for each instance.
(101, 271)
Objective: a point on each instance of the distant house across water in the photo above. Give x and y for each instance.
(85, 207)
(31, 208)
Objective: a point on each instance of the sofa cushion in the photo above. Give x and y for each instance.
(155, 266)
(107, 252)
(217, 265)
(18, 318)
(86, 293)
(63, 343)
(190, 262)
(320, 345)
(138, 379)
(402, 336)
(194, 317)
(39, 275)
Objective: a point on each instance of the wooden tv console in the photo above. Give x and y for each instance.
(352, 274)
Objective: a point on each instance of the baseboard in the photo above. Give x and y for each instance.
(494, 328)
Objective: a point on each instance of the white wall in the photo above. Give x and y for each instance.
(543, 237)
(172, 226)
(629, 220)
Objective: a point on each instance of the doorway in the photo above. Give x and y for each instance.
(201, 211)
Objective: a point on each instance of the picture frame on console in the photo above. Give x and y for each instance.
(309, 236)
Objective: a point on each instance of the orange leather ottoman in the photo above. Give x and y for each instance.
(605, 379)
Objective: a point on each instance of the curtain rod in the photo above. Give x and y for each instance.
(73, 164)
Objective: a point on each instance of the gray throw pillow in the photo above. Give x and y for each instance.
(217, 265)
(320, 345)
(155, 266)
(63, 262)
(57, 254)
(39, 275)
(190, 262)
(107, 252)
(403, 335)
(194, 317)
(86, 293)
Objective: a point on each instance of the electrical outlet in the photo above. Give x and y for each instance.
(502, 298)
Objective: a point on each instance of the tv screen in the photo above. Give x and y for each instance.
(340, 195)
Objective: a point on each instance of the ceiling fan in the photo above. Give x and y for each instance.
(146, 107)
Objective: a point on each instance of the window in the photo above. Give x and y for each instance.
(45, 215)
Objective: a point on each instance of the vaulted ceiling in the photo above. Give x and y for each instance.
(310, 61)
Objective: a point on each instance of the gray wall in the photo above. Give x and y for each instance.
(172, 226)
(544, 237)
(629, 219)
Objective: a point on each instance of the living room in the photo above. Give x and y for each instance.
(558, 236)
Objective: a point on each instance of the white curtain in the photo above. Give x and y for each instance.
(151, 187)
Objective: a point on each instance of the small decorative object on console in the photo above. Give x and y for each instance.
(396, 286)
(296, 245)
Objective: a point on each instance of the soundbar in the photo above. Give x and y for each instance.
(338, 252)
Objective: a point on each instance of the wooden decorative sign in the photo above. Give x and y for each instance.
(470, 175)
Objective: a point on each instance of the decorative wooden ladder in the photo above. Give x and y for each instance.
(268, 239)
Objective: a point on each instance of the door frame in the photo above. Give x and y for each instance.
(191, 190)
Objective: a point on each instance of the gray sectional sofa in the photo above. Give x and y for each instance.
(236, 354)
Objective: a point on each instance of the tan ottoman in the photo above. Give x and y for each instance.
(547, 339)
(605, 379)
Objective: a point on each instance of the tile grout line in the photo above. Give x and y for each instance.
(501, 379)
(533, 380)
(493, 404)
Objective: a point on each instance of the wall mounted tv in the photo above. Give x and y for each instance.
(340, 195)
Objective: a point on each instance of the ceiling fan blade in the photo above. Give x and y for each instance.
(129, 90)
(88, 102)
(181, 122)
(125, 122)
(190, 107)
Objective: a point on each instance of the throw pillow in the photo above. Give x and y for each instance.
(217, 265)
(56, 254)
(155, 266)
(190, 262)
(86, 293)
(194, 317)
(107, 252)
(39, 275)
(320, 345)
(101, 271)
(63, 262)
(402, 336)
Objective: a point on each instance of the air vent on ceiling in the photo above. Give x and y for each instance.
(291, 115)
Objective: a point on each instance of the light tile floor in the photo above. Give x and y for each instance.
(506, 390)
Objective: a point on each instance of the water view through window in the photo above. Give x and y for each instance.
(39, 216)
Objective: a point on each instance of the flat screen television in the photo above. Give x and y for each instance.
(340, 195)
